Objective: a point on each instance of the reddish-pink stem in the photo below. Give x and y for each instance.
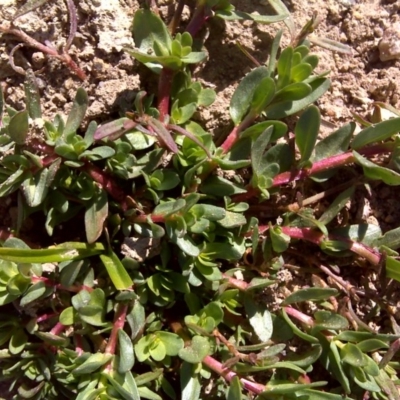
(164, 92)
(305, 319)
(78, 344)
(316, 237)
(119, 322)
(235, 134)
(200, 17)
(228, 375)
(319, 166)
(236, 283)
(57, 329)
(142, 219)
(108, 184)
(45, 317)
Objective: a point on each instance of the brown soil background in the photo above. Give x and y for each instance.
(114, 78)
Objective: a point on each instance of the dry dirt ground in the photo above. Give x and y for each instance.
(358, 80)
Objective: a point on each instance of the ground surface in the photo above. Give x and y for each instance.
(114, 78)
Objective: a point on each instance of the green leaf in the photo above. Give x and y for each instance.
(33, 293)
(281, 110)
(330, 320)
(67, 316)
(221, 187)
(352, 355)
(232, 220)
(390, 239)
(244, 93)
(374, 171)
(63, 252)
(173, 343)
(126, 353)
(18, 341)
(274, 50)
(292, 92)
(376, 133)
(224, 251)
(136, 319)
(95, 216)
(393, 268)
(97, 153)
(257, 151)
(280, 241)
(92, 364)
(130, 392)
(232, 14)
(300, 72)
(77, 113)
(208, 211)
(32, 93)
(259, 318)
(235, 390)
(336, 206)
(194, 57)
(147, 29)
(371, 345)
(306, 132)
(364, 233)
(52, 339)
(310, 294)
(169, 207)
(36, 187)
(116, 271)
(263, 95)
(18, 127)
(196, 351)
(158, 352)
(284, 67)
(190, 382)
(336, 143)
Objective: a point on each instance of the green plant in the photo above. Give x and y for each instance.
(163, 294)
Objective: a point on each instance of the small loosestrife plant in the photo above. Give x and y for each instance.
(157, 286)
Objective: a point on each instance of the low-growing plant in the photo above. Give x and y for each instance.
(166, 245)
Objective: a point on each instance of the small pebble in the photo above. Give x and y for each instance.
(389, 46)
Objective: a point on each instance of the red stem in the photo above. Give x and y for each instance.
(164, 92)
(142, 219)
(316, 237)
(228, 375)
(57, 329)
(119, 322)
(78, 344)
(108, 184)
(200, 17)
(235, 133)
(319, 166)
(305, 319)
(45, 317)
